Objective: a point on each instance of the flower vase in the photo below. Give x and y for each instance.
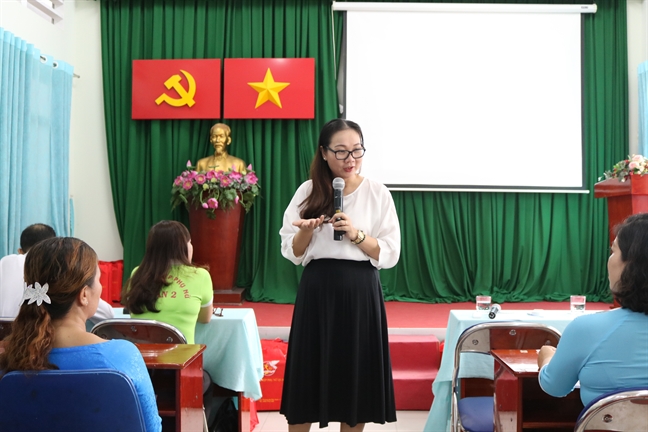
(217, 244)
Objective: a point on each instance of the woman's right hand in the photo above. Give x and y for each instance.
(305, 233)
(545, 354)
(309, 224)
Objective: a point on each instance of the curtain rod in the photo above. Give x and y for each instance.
(54, 64)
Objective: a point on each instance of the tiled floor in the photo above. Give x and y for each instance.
(408, 421)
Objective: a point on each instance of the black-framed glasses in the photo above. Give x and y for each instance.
(344, 154)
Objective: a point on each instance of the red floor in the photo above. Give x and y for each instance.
(403, 314)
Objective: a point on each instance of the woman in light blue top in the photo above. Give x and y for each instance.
(607, 351)
(62, 292)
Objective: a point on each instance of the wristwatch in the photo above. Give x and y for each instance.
(360, 238)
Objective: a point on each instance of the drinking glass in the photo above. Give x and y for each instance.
(577, 303)
(483, 302)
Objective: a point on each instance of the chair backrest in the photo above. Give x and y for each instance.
(482, 338)
(139, 331)
(624, 410)
(5, 327)
(99, 400)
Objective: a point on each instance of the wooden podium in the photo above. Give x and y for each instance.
(217, 243)
(624, 199)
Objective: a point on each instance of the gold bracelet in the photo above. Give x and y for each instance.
(361, 237)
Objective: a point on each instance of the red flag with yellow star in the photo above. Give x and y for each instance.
(269, 88)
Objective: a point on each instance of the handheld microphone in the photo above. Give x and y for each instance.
(338, 203)
(494, 309)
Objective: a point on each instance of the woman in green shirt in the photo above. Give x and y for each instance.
(166, 286)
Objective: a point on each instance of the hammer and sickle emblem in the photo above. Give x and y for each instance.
(186, 96)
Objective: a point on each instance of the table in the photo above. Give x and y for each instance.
(176, 374)
(233, 355)
(234, 358)
(521, 404)
(458, 321)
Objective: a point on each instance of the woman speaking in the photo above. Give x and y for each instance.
(338, 366)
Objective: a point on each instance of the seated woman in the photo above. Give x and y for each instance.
(166, 286)
(607, 351)
(62, 292)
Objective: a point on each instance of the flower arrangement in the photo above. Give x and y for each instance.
(635, 165)
(215, 189)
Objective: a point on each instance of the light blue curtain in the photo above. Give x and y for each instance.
(35, 108)
(643, 108)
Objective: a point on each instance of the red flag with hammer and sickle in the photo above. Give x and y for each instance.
(176, 89)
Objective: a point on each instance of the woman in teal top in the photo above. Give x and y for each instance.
(166, 286)
(62, 291)
(607, 351)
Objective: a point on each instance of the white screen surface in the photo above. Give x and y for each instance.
(467, 100)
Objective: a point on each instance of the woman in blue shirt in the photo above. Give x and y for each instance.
(62, 291)
(607, 351)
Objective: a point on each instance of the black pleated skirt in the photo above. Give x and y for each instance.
(338, 367)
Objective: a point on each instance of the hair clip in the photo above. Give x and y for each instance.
(36, 293)
(218, 312)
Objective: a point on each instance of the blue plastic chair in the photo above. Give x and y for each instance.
(623, 410)
(476, 414)
(97, 400)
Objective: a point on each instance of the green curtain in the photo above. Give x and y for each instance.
(517, 247)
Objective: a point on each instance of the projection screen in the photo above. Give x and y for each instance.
(466, 96)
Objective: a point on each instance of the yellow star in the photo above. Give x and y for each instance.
(268, 90)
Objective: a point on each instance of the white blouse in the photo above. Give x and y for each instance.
(371, 209)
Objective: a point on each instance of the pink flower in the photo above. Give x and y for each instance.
(219, 174)
(189, 164)
(212, 203)
(225, 181)
(633, 165)
(236, 200)
(251, 178)
(187, 184)
(211, 174)
(200, 179)
(249, 167)
(205, 205)
(178, 181)
(235, 175)
(192, 175)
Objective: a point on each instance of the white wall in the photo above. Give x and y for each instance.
(77, 41)
(51, 39)
(94, 213)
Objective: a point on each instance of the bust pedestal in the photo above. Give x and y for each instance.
(217, 243)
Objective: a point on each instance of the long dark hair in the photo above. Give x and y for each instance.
(66, 265)
(320, 200)
(632, 238)
(166, 246)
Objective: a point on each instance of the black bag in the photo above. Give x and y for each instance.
(226, 419)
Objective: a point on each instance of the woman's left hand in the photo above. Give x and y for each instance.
(342, 222)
